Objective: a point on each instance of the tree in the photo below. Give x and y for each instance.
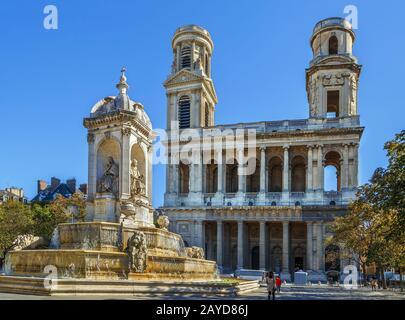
(374, 227)
(15, 220)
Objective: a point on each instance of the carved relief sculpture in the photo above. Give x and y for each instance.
(109, 181)
(163, 222)
(137, 252)
(195, 252)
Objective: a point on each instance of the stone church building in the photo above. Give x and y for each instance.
(275, 217)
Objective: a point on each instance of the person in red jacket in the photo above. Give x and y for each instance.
(278, 284)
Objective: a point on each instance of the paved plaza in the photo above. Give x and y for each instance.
(288, 293)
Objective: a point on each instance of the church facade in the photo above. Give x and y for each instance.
(252, 194)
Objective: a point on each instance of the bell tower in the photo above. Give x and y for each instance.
(190, 91)
(333, 75)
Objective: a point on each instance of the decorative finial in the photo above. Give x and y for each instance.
(122, 85)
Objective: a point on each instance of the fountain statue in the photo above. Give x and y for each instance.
(118, 239)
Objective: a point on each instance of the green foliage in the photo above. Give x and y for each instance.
(374, 227)
(18, 219)
(15, 219)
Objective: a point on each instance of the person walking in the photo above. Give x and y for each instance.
(271, 286)
(278, 284)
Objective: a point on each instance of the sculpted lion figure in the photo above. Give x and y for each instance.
(137, 252)
(195, 252)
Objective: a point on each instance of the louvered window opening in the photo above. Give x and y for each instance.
(184, 112)
(186, 58)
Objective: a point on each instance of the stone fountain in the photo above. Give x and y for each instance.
(119, 248)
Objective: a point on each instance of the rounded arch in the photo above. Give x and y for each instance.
(332, 167)
(298, 256)
(253, 179)
(333, 45)
(232, 176)
(184, 111)
(108, 165)
(211, 177)
(275, 174)
(184, 177)
(185, 57)
(298, 174)
(138, 163)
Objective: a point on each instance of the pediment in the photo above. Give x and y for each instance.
(182, 76)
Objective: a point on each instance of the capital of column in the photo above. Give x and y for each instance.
(286, 147)
(262, 148)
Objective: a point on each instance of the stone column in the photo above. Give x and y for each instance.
(220, 172)
(356, 165)
(262, 169)
(240, 244)
(92, 167)
(310, 170)
(241, 172)
(286, 169)
(219, 243)
(320, 256)
(309, 245)
(320, 183)
(345, 173)
(262, 245)
(125, 164)
(285, 266)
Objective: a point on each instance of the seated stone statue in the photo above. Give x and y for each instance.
(109, 181)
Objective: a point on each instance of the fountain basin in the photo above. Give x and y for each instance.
(90, 264)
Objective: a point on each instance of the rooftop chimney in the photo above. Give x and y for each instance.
(55, 182)
(83, 188)
(41, 185)
(71, 183)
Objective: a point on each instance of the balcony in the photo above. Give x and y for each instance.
(329, 198)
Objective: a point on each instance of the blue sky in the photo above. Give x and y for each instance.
(49, 79)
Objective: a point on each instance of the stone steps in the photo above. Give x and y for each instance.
(74, 287)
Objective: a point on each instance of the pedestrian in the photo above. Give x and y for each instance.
(271, 286)
(278, 284)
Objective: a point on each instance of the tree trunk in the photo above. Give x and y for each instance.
(383, 282)
(401, 283)
(363, 273)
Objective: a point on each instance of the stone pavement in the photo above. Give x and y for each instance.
(288, 293)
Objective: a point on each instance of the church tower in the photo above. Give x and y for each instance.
(332, 78)
(191, 96)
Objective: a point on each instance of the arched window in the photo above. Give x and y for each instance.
(332, 107)
(207, 115)
(232, 177)
(211, 177)
(185, 57)
(184, 176)
(298, 174)
(332, 171)
(253, 180)
(275, 175)
(333, 45)
(184, 112)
